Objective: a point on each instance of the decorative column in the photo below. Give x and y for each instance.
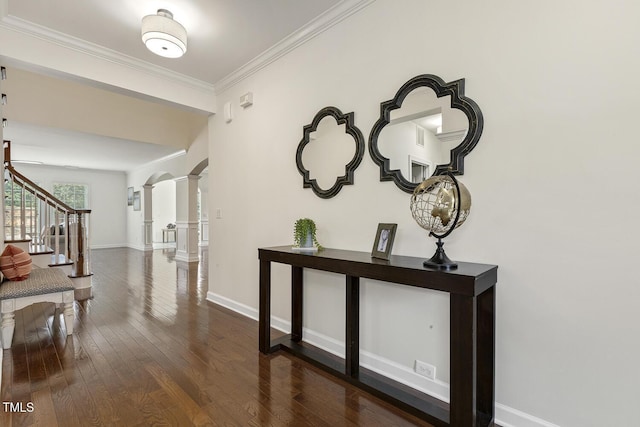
(203, 185)
(187, 218)
(147, 232)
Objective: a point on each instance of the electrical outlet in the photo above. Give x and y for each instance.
(425, 370)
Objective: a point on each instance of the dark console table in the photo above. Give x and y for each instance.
(472, 310)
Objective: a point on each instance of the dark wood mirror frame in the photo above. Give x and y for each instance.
(456, 90)
(351, 129)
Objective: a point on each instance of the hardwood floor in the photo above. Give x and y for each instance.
(149, 350)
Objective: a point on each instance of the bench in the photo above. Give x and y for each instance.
(43, 285)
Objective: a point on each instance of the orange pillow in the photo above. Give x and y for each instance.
(15, 263)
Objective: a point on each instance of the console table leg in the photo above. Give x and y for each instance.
(463, 358)
(296, 303)
(485, 343)
(352, 351)
(264, 320)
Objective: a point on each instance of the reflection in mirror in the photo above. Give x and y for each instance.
(327, 151)
(426, 129)
(421, 134)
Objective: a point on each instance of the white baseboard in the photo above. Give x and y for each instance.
(510, 417)
(234, 306)
(136, 247)
(505, 415)
(109, 246)
(187, 258)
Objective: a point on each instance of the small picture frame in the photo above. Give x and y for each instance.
(130, 196)
(384, 241)
(136, 201)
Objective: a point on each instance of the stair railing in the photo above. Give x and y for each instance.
(49, 225)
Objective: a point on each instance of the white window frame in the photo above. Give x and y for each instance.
(86, 192)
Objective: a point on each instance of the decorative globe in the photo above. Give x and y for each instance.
(440, 204)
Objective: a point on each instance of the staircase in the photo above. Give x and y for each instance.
(55, 234)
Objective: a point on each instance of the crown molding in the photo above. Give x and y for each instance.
(317, 26)
(454, 135)
(31, 29)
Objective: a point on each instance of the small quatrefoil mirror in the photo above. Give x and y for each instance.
(331, 146)
(426, 129)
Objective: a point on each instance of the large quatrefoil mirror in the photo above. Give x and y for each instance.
(426, 129)
(331, 149)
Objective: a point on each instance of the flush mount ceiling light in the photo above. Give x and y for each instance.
(164, 36)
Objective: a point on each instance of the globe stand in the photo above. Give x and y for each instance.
(440, 260)
(439, 204)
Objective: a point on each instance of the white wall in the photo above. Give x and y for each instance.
(398, 142)
(164, 207)
(198, 151)
(107, 199)
(557, 84)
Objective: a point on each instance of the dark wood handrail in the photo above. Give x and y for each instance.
(44, 194)
(76, 244)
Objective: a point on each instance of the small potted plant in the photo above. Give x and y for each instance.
(304, 235)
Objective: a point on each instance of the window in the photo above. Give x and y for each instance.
(74, 195)
(18, 212)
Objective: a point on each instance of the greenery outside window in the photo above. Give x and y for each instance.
(74, 195)
(13, 201)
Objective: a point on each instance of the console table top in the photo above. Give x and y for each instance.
(468, 279)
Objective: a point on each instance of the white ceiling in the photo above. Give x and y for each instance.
(59, 147)
(223, 36)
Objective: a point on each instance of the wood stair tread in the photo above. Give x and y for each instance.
(61, 260)
(59, 264)
(40, 251)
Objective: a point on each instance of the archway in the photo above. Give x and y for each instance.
(159, 211)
